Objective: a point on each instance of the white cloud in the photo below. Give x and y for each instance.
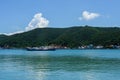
(38, 21)
(88, 15)
(9, 34)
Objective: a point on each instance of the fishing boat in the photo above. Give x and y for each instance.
(46, 48)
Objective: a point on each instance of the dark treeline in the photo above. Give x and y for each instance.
(70, 37)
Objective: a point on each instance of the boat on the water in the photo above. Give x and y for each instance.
(40, 49)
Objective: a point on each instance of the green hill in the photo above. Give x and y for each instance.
(71, 37)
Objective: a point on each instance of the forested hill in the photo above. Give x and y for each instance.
(71, 37)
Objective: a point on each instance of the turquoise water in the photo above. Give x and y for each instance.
(60, 65)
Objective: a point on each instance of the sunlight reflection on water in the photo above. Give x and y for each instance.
(60, 65)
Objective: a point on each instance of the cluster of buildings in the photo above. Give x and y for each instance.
(91, 46)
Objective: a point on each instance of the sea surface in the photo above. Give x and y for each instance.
(60, 65)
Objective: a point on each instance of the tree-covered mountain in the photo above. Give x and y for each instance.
(2, 36)
(71, 37)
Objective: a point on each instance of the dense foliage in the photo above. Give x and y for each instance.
(71, 37)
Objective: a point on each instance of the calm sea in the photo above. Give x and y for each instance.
(60, 65)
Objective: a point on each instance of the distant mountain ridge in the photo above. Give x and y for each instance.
(70, 37)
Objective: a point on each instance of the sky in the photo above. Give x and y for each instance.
(24, 15)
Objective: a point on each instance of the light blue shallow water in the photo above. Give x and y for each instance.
(60, 65)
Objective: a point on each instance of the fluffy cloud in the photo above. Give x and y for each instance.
(38, 21)
(88, 15)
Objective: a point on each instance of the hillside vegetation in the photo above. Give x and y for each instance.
(70, 37)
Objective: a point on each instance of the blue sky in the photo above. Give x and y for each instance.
(16, 15)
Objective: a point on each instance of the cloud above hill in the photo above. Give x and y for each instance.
(88, 15)
(38, 21)
(9, 34)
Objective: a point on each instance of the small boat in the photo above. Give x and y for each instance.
(40, 49)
